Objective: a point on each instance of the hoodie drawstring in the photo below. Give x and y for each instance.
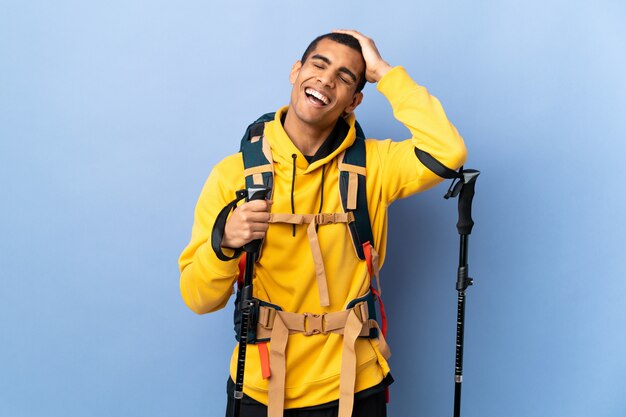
(293, 184)
(322, 189)
(321, 195)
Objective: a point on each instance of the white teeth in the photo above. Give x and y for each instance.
(317, 95)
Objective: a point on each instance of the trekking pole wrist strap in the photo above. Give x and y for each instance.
(435, 166)
(217, 234)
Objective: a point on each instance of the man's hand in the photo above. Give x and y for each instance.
(375, 66)
(247, 223)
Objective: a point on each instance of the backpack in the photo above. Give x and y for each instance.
(258, 171)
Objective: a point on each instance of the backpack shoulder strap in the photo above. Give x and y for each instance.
(258, 172)
(257, 157)
(352, 188)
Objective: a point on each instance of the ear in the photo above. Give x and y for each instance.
(295, 70)
(356, 100)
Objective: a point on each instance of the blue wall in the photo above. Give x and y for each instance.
(112, 114)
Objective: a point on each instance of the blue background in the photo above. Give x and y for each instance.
(112, 114)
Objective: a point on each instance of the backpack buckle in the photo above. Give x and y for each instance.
(325, 218)
(314, 324)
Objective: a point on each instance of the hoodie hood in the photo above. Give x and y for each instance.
(283, 148)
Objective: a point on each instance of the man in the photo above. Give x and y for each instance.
(307, 139)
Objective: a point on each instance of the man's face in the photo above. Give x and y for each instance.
(324, 86)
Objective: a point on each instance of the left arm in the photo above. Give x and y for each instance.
(403, 174)
(431, 131)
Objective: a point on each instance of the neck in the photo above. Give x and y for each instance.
(306, 137)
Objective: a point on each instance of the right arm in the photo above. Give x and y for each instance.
(206, 282)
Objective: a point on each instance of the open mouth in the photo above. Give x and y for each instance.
(317, 97)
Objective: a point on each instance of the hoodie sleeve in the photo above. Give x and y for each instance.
(402, 173)
(206, 282)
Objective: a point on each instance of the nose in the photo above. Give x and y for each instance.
(326, 78)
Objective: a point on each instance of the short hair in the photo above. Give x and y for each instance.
(344, 39)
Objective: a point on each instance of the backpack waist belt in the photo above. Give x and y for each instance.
(352, 323)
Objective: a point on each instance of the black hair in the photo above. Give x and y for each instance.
(344, 39)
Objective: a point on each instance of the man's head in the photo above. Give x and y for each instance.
(327, 82)
(347, 40)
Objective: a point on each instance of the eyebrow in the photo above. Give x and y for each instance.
(341, 69)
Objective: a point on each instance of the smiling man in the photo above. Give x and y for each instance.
(326, 85)
(324, 231)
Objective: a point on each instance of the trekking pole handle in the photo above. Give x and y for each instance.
(259, 193)
(465, 223)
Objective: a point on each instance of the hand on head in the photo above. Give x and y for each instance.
(375, 66)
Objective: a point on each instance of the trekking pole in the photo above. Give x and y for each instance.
(247, 305)
(464, 188)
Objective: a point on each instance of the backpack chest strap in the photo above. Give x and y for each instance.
(314, 220)
(319, 219)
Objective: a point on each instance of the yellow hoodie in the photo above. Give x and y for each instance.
(285, 274)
